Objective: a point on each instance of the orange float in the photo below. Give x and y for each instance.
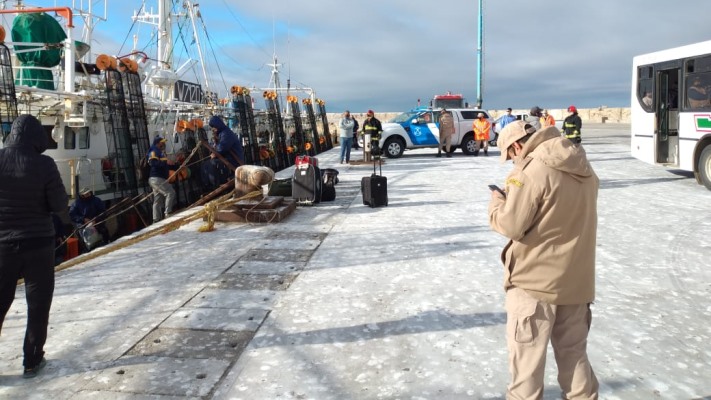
(104, 62)
(126, 64)
(181, 174)
(197, 123)
(183, 125)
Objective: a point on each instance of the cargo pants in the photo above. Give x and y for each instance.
(530, 325)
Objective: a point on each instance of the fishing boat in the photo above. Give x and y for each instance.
(102, 111)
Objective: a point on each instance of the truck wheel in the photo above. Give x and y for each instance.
(394, 147)
(705, 167)
(468, 145)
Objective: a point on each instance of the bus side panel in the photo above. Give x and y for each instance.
(642, 130)
(692, 127)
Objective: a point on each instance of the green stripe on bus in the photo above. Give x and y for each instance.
(703, 123)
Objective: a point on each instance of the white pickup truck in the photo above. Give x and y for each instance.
(419, 128)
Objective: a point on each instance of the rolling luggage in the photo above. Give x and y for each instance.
(330, 179)
(375, 189)
(304, 159)
(306, 184)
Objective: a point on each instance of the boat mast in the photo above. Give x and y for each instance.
(480, 55)
(165, 35)
(191, 11)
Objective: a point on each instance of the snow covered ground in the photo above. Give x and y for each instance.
(341, 301)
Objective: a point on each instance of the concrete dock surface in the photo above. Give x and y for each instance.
(343, 301)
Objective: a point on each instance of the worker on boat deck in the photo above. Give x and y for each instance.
(85, 210)
(164, 197)
(229, 145)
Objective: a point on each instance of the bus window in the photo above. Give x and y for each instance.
(698, 91)
(645, 88)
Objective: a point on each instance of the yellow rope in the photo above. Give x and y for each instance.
(211, 207)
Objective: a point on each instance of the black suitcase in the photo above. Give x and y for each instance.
(330, 179)
(306, 185)
(375, 189)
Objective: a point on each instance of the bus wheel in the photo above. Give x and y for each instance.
(705, 167)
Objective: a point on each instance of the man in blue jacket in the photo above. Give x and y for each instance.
(228, 144)
(30, 191)
(163, 193)
(85, 209)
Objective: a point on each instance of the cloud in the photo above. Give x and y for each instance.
(386, 55)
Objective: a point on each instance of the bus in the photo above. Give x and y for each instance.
(671, 109)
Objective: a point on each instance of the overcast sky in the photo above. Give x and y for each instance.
(386, 54)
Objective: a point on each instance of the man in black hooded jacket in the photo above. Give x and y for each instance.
(30, 190)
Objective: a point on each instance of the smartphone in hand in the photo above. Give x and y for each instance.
(498, 189)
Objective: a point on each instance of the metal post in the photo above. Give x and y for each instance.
(479, 55)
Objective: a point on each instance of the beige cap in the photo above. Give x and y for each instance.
(511, 133)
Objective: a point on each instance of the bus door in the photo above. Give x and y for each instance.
(667, 114)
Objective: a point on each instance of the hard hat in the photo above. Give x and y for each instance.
(572, 109)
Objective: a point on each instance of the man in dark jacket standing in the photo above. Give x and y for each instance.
(572, 125)
(373, 127)
(356, 126)
(30, 190)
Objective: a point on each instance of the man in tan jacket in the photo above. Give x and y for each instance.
(446, 130)
(549, 213)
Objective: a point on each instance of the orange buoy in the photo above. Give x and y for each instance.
(104, 62)
(182, 174)
(197, 123)
(128, 64)
(2, 34)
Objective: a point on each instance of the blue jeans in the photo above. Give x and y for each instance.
(346, 144)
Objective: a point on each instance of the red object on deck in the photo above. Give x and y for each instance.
(72, 248)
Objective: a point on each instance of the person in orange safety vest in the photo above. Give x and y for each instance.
(547, 120)
(482, 129)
